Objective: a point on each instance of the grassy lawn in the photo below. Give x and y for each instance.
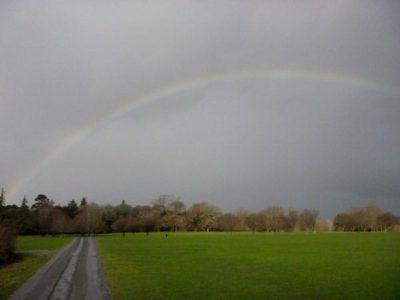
(13, 275)
(252, 266)
(32, 243)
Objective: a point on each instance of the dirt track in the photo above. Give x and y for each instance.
(74, 273)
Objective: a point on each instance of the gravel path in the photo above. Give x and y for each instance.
(74, 273)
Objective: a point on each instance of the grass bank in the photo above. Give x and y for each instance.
(252, 266)
(15, 274)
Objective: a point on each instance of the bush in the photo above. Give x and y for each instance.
(7, 243)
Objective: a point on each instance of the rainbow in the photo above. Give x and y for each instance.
(337, 78)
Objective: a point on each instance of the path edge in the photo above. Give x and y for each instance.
(31, 282)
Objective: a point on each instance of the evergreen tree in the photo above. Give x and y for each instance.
(72, 209)
(83, 202)
(24, 203)
(42, 201)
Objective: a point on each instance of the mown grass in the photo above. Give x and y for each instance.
(15, 274)
(32, 243)
(252, 266)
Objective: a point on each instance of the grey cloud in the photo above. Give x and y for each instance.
(245, 143)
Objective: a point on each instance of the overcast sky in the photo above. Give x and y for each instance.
(323, 134)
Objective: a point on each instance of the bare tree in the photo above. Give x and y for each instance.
(59, 222)
(292, 216)
(89, 220)
(227, 222)
(307, 219)
(8, 237)
(256, 222)
(202, 216)
(175, 205)
(134, 224)
(323, 225)
(372, 213)
(386, 221)
(150, 221)
(241, 215)
(109, 217)
(371, 218)
(121, 225)
(275, 219)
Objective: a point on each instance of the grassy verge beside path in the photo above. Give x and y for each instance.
(14, 275)
(252, 266)
(32, 243)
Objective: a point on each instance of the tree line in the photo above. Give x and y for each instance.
(169, 213)
(370, 218)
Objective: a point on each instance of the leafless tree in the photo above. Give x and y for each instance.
(275, 219)
(202, 216)
(227, 222)
(121, 225)
(306, 220)
(8, 237)
(386, 221)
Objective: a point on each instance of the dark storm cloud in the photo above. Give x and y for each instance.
(251, 143)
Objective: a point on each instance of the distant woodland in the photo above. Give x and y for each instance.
(169, 213)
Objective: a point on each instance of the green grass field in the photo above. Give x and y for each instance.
(13, 275)
(32, 243)
(252, 266)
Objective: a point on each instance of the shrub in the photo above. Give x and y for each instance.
(7, 242)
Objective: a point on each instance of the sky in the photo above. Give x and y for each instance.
(243, 104)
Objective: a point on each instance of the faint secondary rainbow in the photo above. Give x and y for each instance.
(337, 78)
